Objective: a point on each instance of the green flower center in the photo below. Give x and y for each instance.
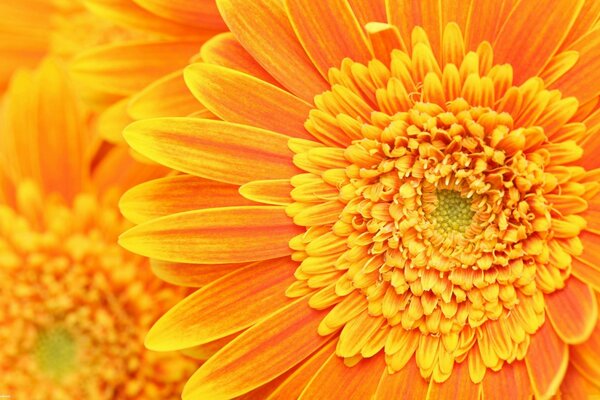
(453, 212)
(55, 351)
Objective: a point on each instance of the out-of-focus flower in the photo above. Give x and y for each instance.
(426, 212)
(74, 306)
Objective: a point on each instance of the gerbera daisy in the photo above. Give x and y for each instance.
(425, 213)
(74, 306)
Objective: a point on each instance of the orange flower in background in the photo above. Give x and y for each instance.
(400, 200)
(74, 306)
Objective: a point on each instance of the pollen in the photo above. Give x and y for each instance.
(429, 231)
(75, 307)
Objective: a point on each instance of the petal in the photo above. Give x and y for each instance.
(262, 353)
(572, 311)
(241, 98)
(129, 13)
(202, 13)
(126, 68)
(342, 382)
(215, 150)
(165, 97)
(549, 19)
(547, 359)
(191, 275)
(276, 191)
(586, 272)
(510, 382)
(369, 11)
(576, 386)
(407, 15)
(588, 66)
(226, 51)
(296, 382)
(41, 120)
(458, 385)
(485, 20)
(112, 121)
(591, 247)
(176, 194)
(585, 356)
(215, 235)
(327, 44)
(228, 305)
(584, 23)
(265, 32)
(205, 351)
(392, 384)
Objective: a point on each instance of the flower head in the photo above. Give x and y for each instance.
(75, 306)
(425, 199)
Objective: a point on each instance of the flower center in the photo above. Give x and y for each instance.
(452, 214)
(55, 351)
(429, 227)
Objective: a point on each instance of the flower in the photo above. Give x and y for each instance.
(74, 305)
(425, 202)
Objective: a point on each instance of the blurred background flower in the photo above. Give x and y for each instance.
(399, 199)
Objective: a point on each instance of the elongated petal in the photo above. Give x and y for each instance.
(484, 20)
(328, 44)
(112, 121)
(392, 384)
(215, 150)
(549, 19)
(342, 382)
(252, 359)
(176, 194)
(165, 97)
(547, 359)
(265, 31)
(215, 235)
(459, 385)
(291, 387)
(125, 68)
(238, 97)
(228, 305)
(511, 382)
(586, 272)
(276, 191)
(585, 356)
(572, 311)
(588, 66)
(369, 11)
(191, 275)
(187, 12)
(424, 13)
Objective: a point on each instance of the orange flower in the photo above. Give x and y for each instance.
(74, 306)
(400, 201)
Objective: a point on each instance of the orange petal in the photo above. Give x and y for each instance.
(202, 13)
(584, 23)
(549, 19)
(383, 39)
(205, 351)
(265, 32)
(342, 382)
(129, 13)
(327, 44)
(485, 20)
(216, 150)
(276, 191)
(126, 68)
(458, 385)
(510, 382)
(591, 247)
(547, 359)
(407, 381)
(226, 51)
(42, 120)
(191, 275)
(228, 305)
(572, 311)
(262, 353)
(176, 194)
(407, 15)
(238, 97)
(112, 121)
(588, 66)
(215, 235)
(585, 356)
(586, 272)
(165, 97)
(368, 11)
(575, 386)
(291, 387)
